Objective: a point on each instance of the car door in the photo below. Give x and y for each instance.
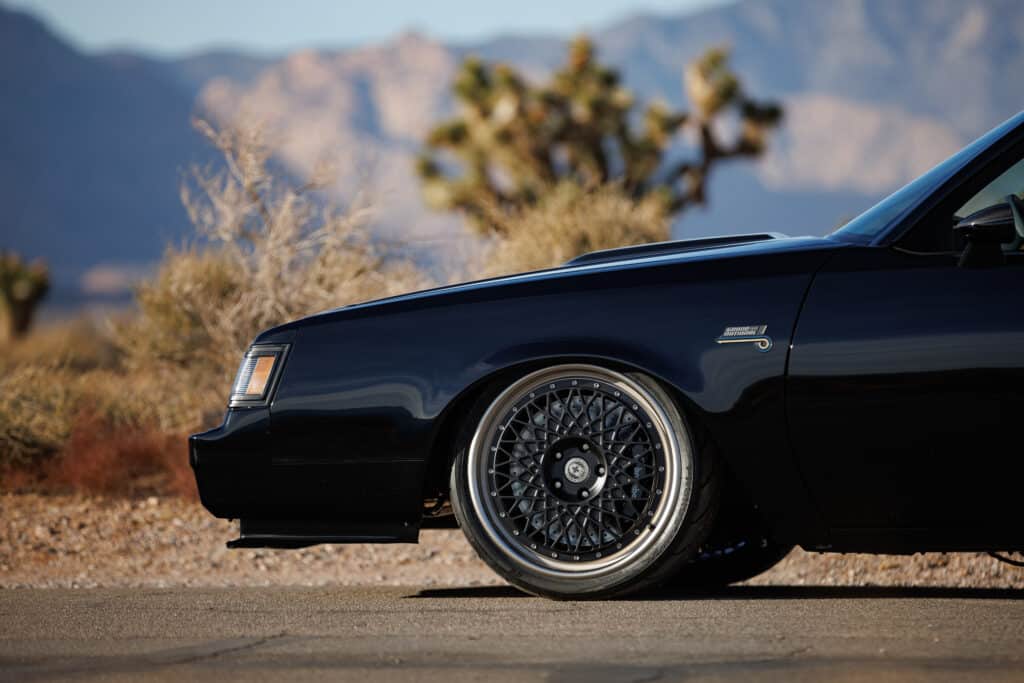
(906, 389)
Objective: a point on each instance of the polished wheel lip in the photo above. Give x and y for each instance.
(671, 509)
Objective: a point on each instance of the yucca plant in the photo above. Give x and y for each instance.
(22, 287)
(514, 143)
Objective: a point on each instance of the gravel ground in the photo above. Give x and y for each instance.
(74, 541)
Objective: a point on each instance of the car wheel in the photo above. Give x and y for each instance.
(579, 481)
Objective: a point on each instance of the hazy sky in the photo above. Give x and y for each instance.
(178, 26)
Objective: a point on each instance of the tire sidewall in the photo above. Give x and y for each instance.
(631, 575)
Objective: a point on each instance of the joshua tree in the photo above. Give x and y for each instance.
(515, 142)
(22, 287)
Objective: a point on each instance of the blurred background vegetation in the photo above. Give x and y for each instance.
(517, 143)
(304, 184)
(554, 170)
(543, 171)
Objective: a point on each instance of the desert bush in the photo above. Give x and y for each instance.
(37, 404)
(96, 456)
(151, 399)
(80, 344)
(100, 457)
(40, 404)
(570, 221)
(87, 410)
(269, 251)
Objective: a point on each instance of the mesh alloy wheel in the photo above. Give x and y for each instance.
(579, 472)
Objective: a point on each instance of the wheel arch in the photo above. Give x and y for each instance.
(452, 419)
(787, 510)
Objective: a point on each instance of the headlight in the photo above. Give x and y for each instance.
(257, 374)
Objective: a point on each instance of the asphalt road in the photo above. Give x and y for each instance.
(496, 634)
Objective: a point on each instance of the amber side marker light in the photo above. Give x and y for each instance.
(260, 376)
(255, 375)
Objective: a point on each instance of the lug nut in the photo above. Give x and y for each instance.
(586, 447)
(585, 493)
(600, 471)
(558, 456)
(557, 484)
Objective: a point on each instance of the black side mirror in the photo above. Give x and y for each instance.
(985, 232)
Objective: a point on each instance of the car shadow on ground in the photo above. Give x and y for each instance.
(761, 593)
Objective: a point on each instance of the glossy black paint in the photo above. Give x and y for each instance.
(368, 390)
(906, 384)
(661, 248)
(880, 419)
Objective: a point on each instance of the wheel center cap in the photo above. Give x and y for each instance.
(577, 470)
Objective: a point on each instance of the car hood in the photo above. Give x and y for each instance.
(672, 247)
(648, 255)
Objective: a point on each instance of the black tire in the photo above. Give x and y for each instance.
(738, 548)
(518, 487)
(715, 567)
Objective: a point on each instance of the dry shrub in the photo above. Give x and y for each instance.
(271, 252)
(80, 412)
(37, 404)
(79, 344)
(40, 407)
(572, 221)
(100, 457)
(146, 399)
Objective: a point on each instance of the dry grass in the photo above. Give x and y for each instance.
(98, 431)
(36, 407)
(78, 344)
(573, 221)
(104, 458)
(41, 382)
(41, 402)
(101, 458)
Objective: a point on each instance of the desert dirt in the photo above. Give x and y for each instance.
(76, 541)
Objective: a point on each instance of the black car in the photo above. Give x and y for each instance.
(679, 413)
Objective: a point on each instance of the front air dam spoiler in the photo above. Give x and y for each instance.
(302, 534)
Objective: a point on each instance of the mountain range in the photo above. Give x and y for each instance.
(93, 147)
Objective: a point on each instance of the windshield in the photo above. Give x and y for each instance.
(1011, 181)
(874, 222)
